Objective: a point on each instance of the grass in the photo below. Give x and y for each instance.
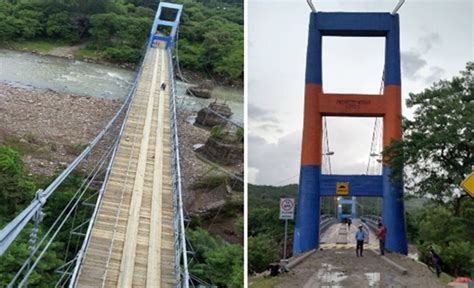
(86, 53)
(29, 144)
(75, 149)
(210, 182)
(36, 45)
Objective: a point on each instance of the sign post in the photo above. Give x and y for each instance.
(287, 209)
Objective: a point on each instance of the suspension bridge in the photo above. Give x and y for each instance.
(135, 233)
(324, 244)
(314, 184)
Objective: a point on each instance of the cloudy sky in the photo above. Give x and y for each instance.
(436, 42)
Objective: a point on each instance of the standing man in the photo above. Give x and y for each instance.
(381, 231)
(360, 236)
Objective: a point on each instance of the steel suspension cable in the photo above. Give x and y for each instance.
(374, 131)
(84, 186)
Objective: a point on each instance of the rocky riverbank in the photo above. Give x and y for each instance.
(48, 127)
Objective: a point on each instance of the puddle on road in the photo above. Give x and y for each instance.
(373, 279)
(329, 278)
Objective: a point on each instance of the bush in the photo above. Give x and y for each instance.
(210, 182)
(458, 257)
(215, 261)
(450, 237)
(261, 252)
(15, 189)
(225, 266)
(122, 54)
(240, 134)
(218, 132)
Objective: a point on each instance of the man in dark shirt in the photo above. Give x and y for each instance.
(381, 231)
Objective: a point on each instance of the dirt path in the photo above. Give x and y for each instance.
(341, 268)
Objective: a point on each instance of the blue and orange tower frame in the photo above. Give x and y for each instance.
(313, 184)
(172, 24)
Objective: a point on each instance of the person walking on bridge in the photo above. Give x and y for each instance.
(381, 232)
(360, 236)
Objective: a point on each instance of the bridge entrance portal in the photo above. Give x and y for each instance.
(314, 184)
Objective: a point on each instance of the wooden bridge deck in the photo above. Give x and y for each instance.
(132, 238)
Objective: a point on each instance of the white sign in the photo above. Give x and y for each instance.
(287, 208)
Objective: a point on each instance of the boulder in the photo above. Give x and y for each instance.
(214, 114)
(203, 90)
(223, 152)
(199, 92)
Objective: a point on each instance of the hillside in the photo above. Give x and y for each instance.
(269, 196)
(211, 32)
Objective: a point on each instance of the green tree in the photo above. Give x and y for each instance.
(15, 189)
(438, 143)
(225, 266)
(262, 251)
(215, 261)
(451, 236)
(59, 25)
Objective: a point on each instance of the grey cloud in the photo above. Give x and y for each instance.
(428, 41)
(275, 162)
(270, 126)
(412, 63)
(435, 74)
(259, 114)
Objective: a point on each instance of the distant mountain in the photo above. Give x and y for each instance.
(269, 196)
(266, 196)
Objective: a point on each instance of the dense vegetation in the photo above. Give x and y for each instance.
(437, 152)
(215, 261)
(16, 191)
(211, 37)
(265, 231)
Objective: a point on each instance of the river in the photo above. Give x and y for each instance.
(32, 71)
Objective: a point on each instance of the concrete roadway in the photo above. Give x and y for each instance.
(336, 265)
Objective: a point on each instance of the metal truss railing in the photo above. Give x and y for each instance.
(326, 221)
(371, 221)
(181, 260)
(81, 253)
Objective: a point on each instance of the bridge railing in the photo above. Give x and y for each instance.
(80, 255)
(182, 273)
(371, 221)
(326, 220)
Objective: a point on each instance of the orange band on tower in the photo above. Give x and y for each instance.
(311, 148)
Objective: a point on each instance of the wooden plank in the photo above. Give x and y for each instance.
(154, 255)
(128, 261)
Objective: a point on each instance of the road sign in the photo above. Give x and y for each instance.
(342, 188)
(468, 184)
(287, 208)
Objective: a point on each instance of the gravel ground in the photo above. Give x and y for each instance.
(192, 168)
(341, 268)
(52, 127)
